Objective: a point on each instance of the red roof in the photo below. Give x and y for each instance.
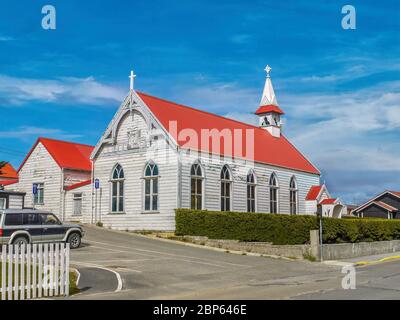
(78, 185)
(328, 201)
(313, 193)
(269, 108)
(8, 182)
(267, 149)
(67, 155)
(8, 171)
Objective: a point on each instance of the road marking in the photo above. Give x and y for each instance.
(119, 279)
(78, 277)
(163, 253)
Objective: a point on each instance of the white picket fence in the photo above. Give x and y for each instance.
(34, 271)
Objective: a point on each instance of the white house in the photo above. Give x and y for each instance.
(157, 155)
(62, 173)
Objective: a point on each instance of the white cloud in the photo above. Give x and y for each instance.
(25, 132)
(17, 91)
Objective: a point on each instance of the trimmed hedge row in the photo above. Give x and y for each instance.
(281, 228)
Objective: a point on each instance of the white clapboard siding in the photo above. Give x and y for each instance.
(86, 203)
(15, 201)
(240, 169)
(40, 167)
(134, 217)
(33, 271)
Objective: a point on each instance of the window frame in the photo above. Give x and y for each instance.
(197, 178)
(223, 183)
(273, 189)
(151, 180)
(118, 182)
(293, 191)
(251, 185)
(76, 198)
(40, 190)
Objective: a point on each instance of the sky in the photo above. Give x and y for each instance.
(340, 89)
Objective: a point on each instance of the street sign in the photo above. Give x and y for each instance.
(96, 183)
(35, 189)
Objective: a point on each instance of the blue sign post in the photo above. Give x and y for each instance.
(96, 184)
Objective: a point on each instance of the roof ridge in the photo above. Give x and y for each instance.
(202, 111)
(64, 141)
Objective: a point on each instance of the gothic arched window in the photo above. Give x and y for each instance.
(117, 189)
(226, 188)
(151, 187)
(273, 193)
(293, 195)
(251, 192)
(196, 187)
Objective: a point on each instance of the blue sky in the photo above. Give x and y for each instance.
(340, 89)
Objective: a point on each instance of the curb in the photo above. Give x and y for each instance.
(364, 263)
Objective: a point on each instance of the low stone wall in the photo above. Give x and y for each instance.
(353, 250)
(266, 248)
(308, 251)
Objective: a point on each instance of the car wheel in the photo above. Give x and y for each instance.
(19, 241)
(74, 240)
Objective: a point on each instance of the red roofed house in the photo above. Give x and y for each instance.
(62, 172)
(156, 156)
(318, 200)
(8, 174)
(385, 205)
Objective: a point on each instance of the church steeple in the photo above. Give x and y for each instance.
(269, 112)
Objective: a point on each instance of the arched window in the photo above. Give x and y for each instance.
(196, 187)
(251, 192)
(293, 195)
(226, 188)
(117, 189)
(273, 193)
(151, 187)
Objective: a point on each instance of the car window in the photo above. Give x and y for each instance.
(31, 219)
(49, 219)
(13, 219)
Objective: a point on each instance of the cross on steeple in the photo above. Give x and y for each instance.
(132, 77)
(268, 70)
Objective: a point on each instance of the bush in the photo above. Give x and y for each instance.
(281, 228)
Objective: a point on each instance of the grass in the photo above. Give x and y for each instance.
(73, 288)
(308, 256)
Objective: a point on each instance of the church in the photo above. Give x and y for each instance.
(157, 155)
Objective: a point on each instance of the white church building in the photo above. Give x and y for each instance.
(157, 155)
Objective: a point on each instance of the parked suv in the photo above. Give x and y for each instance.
(23, 226)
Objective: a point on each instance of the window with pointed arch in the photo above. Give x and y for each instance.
(273, 193)
(196, 187)
(117, 189)
(293, 195)
(226, 188)
(251, 192)
(151, 187)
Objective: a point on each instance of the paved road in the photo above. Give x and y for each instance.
(117, 265)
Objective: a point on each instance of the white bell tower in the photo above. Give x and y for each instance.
(269, 112)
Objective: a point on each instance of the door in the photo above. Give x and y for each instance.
(52, 228)
(77, 204)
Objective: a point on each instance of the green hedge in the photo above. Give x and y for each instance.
(281, 228)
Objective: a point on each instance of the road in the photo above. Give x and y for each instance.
(119, 265)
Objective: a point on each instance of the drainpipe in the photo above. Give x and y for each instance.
(92, 191)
